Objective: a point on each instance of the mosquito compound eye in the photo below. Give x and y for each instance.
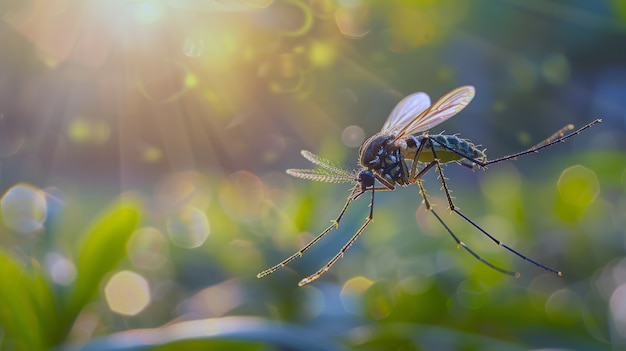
(366, 179)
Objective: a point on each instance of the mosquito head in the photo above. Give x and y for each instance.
(366, 179)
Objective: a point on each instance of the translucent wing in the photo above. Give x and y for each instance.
(327, 173)
(405, 111)
(443, 109)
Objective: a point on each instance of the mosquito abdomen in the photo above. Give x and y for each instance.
(444, 144)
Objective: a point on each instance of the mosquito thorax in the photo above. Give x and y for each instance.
(444, 144)
(373, 149)
(380, 155)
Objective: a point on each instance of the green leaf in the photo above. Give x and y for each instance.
(27, 305)
(103, 249)
(45, 306)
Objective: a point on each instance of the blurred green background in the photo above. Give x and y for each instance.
(142, 154)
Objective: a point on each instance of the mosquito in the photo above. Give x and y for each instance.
(395, 156)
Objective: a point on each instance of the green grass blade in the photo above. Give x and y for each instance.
(104, 247)
(26, 303)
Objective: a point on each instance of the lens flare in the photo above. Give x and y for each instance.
(147, 248)
(24, 208)
(127, 293)
(188, 228)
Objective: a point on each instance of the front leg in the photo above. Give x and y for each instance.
(419, 144)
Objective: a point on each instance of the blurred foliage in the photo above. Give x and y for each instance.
(33, 315)
(185, 114)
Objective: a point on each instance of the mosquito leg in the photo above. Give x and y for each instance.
(544, 144)
(456, 239)
(499, 243)
(468, 249)
(412, 175)
(459, 242)
(418, 177)
(423, 171)
(355, 194)
(345, 247)
(558, 134)
(467, 164)
(444, 185)
(453, 207)
(429, 207)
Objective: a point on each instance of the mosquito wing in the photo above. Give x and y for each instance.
(405, 112)
(326, 173)
(439, 112)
